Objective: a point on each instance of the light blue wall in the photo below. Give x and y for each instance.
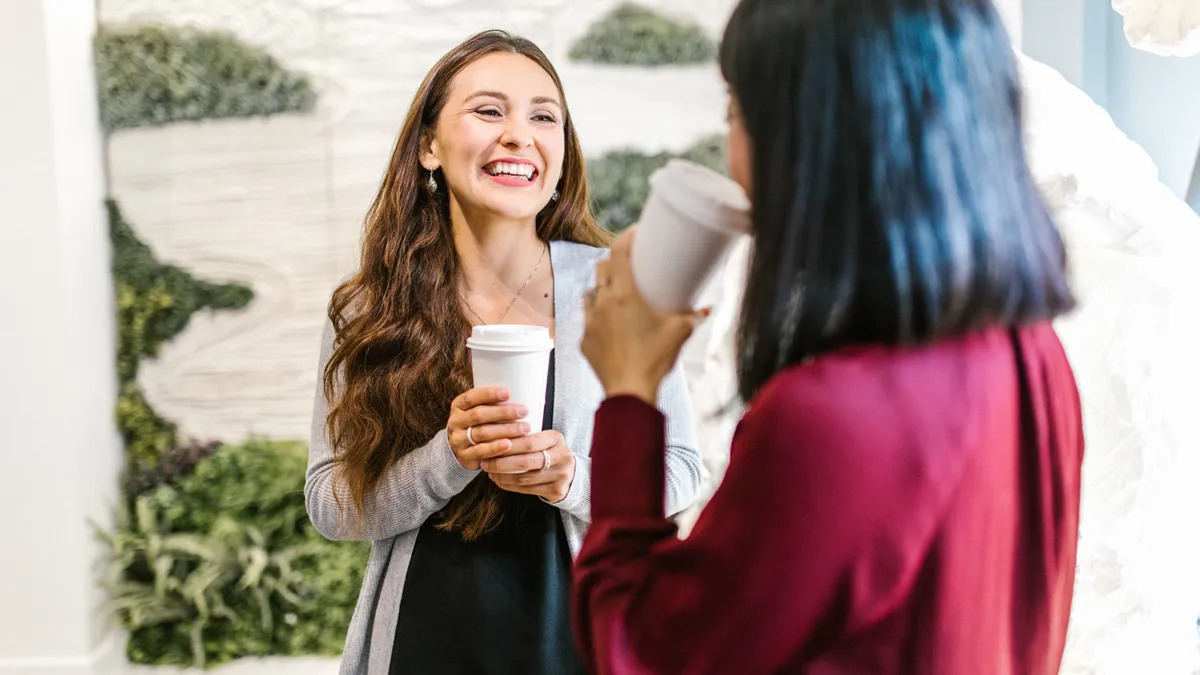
(1052, 32)
(1155, 100)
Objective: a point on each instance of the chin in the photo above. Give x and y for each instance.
(527, 210)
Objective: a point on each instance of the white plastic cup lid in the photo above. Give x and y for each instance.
(703, 195)
(510, 338)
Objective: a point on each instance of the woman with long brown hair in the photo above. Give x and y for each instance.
(482, 218)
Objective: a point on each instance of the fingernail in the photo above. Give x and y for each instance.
(483, 465)
(503, 394)
(525, 427)
(522, 411)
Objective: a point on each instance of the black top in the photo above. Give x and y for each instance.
(493, 606)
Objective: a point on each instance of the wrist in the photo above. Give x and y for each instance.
(642, 389)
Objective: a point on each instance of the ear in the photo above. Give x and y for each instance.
(429, 152)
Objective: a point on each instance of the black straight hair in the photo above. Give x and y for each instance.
(892, 201)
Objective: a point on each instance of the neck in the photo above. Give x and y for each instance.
(495, 250)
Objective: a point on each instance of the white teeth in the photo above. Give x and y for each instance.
(523, 170)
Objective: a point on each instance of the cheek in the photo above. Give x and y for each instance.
(553, 150)
(738, 152)
(463, 145)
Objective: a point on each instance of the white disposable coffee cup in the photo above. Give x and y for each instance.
(517, 358)
(690, 222)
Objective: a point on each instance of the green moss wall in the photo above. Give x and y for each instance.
(153, 75)
(213, 557)
(633, 35)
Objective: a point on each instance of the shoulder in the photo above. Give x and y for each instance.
(350, 309)
(872, 442)
(889, 420)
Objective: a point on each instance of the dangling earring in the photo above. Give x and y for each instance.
(432, 182)
(554, 196)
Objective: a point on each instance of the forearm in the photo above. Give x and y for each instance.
(731, 598)
(414, 487)
(635, 590)
(685, 472)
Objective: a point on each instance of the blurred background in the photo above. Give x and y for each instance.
(182, 184)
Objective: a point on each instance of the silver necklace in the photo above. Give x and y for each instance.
(515, 297)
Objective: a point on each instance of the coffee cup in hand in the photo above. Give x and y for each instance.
(691, 220)
(517, 358)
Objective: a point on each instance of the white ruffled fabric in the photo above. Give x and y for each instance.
(1134, 344)
(1167, 27)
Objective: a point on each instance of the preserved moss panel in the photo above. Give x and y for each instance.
(223, 564)
(619, 185)
(632, 35)
(154, 304)
(152, 75)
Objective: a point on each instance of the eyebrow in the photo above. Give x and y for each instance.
(503, 97)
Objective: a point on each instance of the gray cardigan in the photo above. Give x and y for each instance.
(423, 481)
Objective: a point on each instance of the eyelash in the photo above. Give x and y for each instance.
(541, 118)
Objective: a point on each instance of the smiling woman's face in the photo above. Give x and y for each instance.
(500, 138)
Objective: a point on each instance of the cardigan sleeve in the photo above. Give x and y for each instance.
(685, 472)
(414, 488)
(763, 567)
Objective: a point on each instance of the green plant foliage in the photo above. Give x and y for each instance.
(154, 304)
(618, 180)
(152, 75)
(173, 464)
(147, 435)
(631, 35)
(224, 564)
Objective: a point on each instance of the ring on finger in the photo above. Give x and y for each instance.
(547, 464)
(470, 440)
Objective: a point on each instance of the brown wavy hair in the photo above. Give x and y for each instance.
(400, 355)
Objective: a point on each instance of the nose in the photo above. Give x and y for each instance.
(517, 134)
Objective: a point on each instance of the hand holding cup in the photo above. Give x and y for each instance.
(630, 343)
(483, 425)
(539, 464)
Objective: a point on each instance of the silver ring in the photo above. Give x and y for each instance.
(546, 454)
(469, 439)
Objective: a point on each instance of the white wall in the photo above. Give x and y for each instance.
(59, 451)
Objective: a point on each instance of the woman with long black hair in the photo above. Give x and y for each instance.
(903, 492)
